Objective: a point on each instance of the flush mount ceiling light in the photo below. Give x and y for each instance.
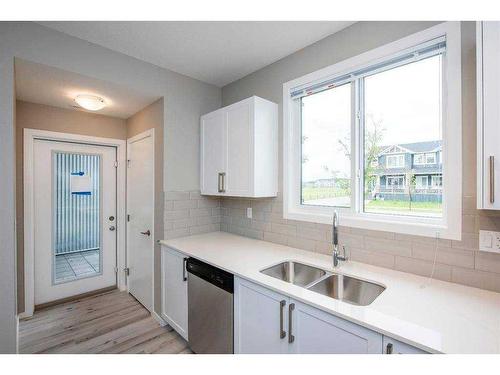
(90, 102)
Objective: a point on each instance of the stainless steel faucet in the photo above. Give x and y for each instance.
(335, 237)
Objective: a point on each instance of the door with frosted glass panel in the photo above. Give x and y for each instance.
(75, 219)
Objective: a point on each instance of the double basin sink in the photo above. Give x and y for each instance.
(345, 288)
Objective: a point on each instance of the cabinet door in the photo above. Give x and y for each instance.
(489, 115)
(213, 152)
(174, 290)
(239, 150)
(392, 346)
(258, 327)
(316, 332)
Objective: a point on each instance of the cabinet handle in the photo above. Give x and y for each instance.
(282, 331)
(219, 178)
(184, 269)
(389, 348)
(291, 338)
(492, 179)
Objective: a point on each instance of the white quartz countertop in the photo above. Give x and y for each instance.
(433, 315)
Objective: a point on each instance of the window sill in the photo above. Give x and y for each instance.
(418, 226)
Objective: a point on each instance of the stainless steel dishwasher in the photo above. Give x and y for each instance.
(210, 308)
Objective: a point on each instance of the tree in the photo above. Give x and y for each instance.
(374, 133)
(305, 158)
(411, 180)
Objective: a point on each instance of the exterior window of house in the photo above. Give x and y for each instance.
(437, 182)
(422, 181)
(363, 137)
(419, 159)
(396, 182)
(395, 161)
(430, 158)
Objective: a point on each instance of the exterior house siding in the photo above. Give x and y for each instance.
(385, 190)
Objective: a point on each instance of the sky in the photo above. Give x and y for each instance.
(406, 100)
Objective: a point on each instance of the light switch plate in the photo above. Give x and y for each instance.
(489, 241)
(249, 212)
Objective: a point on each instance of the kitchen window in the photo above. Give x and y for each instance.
(352, 130)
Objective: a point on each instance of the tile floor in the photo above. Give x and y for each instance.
(76, 265)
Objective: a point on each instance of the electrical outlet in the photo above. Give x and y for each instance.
(249, 212)
(489, 241)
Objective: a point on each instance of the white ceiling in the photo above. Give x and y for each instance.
(43, 84)
(214, 52)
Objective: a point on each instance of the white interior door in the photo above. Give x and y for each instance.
(74, 219)
(140, 210)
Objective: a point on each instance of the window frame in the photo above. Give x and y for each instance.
(434, 178)
(449, 225)
(399, 157)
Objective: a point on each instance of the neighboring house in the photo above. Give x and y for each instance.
(408, 170)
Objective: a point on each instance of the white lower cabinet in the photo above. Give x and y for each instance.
(263, 325)
(317, 332)
(392, 346)
(260, 318)
(174, 301)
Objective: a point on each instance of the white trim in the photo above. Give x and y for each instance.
(449, 226)
(135, 138)
(29, 250)
(159, 319)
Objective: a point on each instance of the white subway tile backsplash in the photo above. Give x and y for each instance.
(189, 213)
(457, 261)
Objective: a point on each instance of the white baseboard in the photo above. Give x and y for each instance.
(159, 319)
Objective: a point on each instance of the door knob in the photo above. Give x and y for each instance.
(147, 233)
(112, 228)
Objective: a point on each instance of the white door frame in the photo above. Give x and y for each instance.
(147, 133)
(30, 135)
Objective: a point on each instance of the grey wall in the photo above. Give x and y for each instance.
(457, 261)
(185, 100)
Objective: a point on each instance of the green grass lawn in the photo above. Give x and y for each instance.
(403, 206)
(311, 193)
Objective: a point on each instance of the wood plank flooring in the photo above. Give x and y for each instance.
(111, 322)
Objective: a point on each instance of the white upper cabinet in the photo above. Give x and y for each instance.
(488, 115)
(239, 150)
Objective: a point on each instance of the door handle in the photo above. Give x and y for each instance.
(112, 228)
(492, 179)
(291, 337)
(184, 269)
(147, 233)
(282, 307)
(223, 174)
